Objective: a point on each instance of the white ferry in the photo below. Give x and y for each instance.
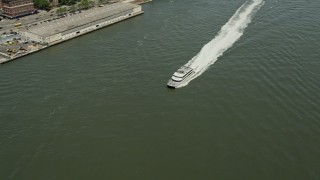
(182, 75)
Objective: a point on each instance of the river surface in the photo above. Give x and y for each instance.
(97, 107)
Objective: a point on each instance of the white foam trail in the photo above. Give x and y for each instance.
(225, 39)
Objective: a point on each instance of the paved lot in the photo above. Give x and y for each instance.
(8, 24)
(17, 48)
(7, 41)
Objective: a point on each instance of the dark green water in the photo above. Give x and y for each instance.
(97, 107)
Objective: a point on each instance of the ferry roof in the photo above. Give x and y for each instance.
(79, 21)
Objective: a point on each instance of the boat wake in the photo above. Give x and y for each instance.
(225, 39)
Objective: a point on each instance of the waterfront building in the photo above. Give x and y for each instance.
(17, 8)
(73, 25)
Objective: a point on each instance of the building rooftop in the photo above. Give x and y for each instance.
(79, 21)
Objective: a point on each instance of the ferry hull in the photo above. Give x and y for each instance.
(171, 87)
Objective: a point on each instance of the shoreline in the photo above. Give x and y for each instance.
(6, 57)
(139, 2)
